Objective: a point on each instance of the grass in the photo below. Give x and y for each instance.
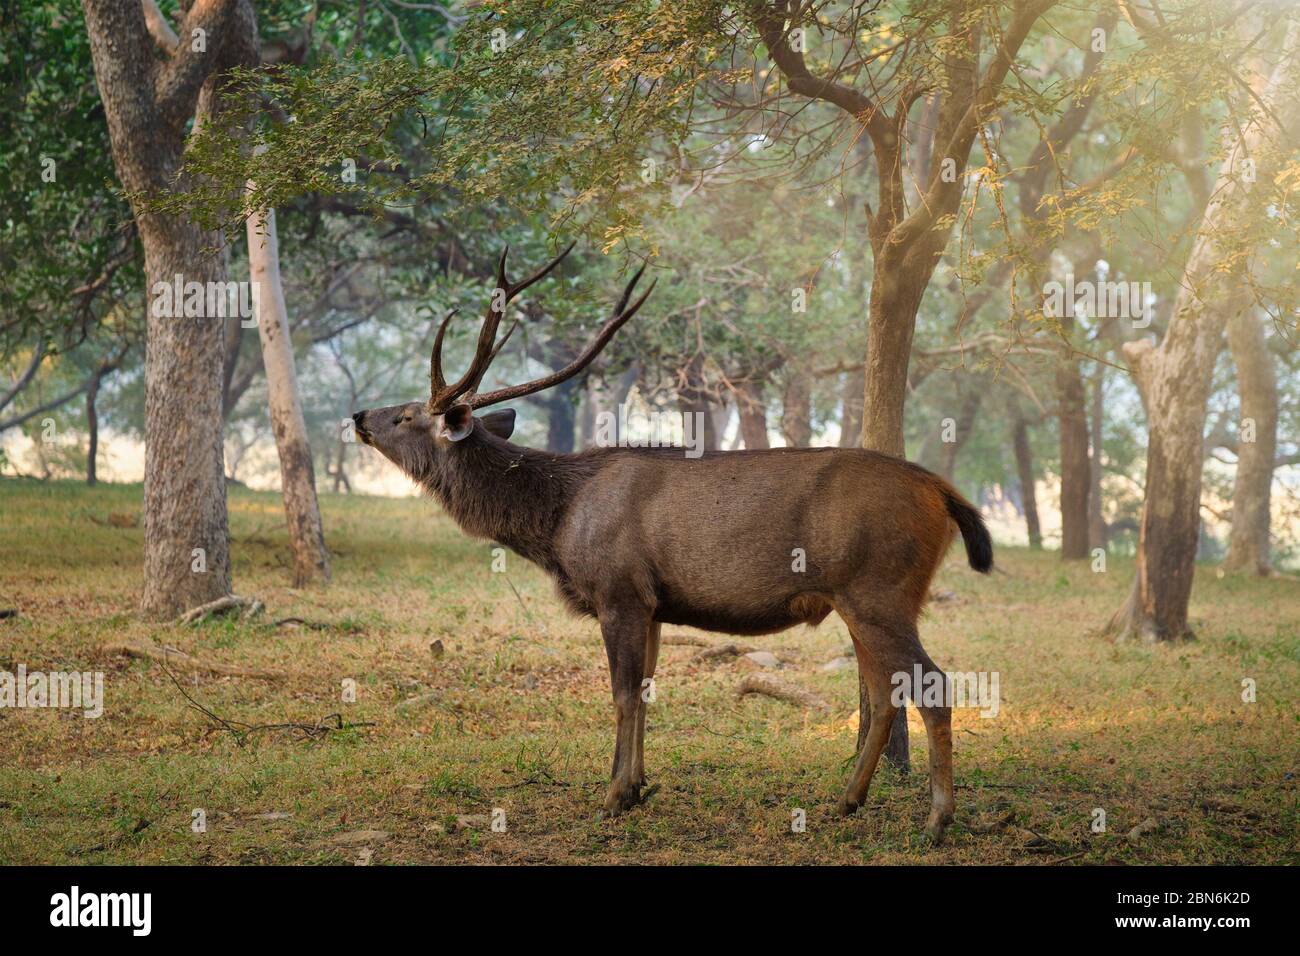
(516, 714)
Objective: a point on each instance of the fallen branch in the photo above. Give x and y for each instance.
(170, 655)
(242, 731)
(313, 625)
(247, 606)
(771, 687)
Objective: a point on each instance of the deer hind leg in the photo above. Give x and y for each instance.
(880, 719)
(938, 731)
(624, 632)
(884, 650)
(651, 659)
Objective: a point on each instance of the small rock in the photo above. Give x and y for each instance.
(763, 658)
(839, 664)
(472, 821)
(275, 815)
(1149, 825)
(436, 649)
(365, 856)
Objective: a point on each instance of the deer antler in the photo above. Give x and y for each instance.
(622, 312)
(443, 396)
(436, 382)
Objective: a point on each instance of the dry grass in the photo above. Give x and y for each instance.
(516, 715)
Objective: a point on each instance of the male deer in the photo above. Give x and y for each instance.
(638, 538)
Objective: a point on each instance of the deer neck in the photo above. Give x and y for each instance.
(508, 493)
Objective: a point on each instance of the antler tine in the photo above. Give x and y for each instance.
(627, 290)
(505, 291)
(622, 313)
(502, 282)
(540, 274)
(473, 387)
(436, 381)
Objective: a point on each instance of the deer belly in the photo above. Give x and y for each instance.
(763, 617)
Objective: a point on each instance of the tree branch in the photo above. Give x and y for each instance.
(159, 28)
(176, 89)
(771, 25)
(38, 355)
(941, 195)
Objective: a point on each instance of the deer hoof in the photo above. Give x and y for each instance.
(619, 801)
(848, 807)
(936, 825)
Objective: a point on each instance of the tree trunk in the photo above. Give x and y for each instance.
(1025, 475)
(297, 473)
(753, 416)
(340, 475)
(92, 427)
(149, 99)
(964, 423)
(796, 409)
(1248, 543)
(1178, 373)
(1076, 469)
(230, 394)
(698, 401)
(186, 541)
(855, 383)
(1097, 533)
(603, 397)
(561, 417)
(896, 292)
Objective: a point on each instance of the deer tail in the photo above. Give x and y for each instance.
(979, 546)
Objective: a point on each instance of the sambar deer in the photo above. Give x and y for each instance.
(638, 538)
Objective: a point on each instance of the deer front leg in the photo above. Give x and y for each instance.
(625, 633)
(651, 659)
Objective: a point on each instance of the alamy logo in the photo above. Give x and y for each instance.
(103, 909)
(71, 690)
(937, 689)
(1104, 300)
(206, 300)
(660, 430)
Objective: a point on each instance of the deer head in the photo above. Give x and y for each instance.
(417, 436)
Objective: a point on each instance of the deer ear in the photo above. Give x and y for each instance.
(457, 423)
(501, 424)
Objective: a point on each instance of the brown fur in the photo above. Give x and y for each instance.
(640, 538)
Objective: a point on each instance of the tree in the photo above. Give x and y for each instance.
(1248, 542)
(1176, 375)
(150, 95)
(1025, 473)
(297, 476)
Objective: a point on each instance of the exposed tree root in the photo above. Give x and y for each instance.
(771, 687)
(172, 656)
(247, 607)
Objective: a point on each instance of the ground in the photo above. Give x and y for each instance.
(515, 715)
